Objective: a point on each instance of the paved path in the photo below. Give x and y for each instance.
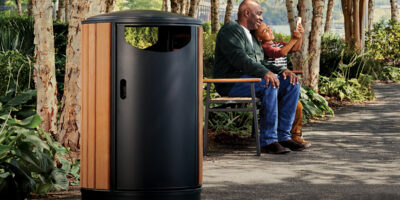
(355, 155)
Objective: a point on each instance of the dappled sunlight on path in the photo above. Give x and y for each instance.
(354, 155)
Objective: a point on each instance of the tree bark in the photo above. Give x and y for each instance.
(370, 14)
(181, 6)
(214, 16)
(174, 6)
(45, 75)
(394, 11)
(61, 11)
(228, 12)
(164, 6)
(328, 21)
(19, 6)
(347, 13)
(315, 45)
(194, 5)
(30, 7)
(291, 15)
(299, 58)
(69, 126)
(356, 25)
(187, 7)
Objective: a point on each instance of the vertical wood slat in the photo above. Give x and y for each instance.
(96, 105)
(92, 107)
(84, 103)
(200, 102)
(103, 105)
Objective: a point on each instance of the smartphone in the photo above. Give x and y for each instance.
(298, 20)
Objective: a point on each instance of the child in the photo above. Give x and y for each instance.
(276, 53)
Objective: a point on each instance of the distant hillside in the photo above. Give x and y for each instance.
(275, 11)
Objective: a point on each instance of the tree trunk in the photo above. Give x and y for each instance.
(68, 4)
(19, 7)
(187, 7)
(164, 6)
(370, 14)
(100, 6)
(329, 16)
(194, 5)
(214, 16)
(110, 5)
(299, 58)
(393, 5)
(291, 15)
(61, 11)
(174, 6)
(30, 7)
(356, 25)
(315, 45)
(181, 6)
(45, 75)
(228, 12)
(69, 126)
(347, 13)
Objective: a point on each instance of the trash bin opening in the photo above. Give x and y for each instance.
(159, 39)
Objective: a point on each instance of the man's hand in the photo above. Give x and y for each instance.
(270, 77)
(292, 76)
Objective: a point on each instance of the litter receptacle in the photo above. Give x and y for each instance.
(141, 106)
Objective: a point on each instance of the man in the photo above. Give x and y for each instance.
(239, 54)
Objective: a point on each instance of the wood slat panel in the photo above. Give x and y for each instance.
(228, 80)
(84, 104)
(103, 105)
(200, 102)
(92, 107)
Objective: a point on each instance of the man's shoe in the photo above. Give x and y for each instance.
(300, 140)
(274, 148)
(292, 145)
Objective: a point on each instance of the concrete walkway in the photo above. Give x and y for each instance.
(355, 155)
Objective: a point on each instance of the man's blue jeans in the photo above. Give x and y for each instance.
(278, 107)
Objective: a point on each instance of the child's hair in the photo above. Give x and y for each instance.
(259, 31)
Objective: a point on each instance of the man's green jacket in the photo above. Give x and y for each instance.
(235, 56)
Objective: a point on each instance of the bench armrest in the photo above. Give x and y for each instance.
(231, 80)
(297, 71)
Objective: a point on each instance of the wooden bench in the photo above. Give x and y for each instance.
(233, 100)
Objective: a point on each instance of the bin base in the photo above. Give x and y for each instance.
(182, 194)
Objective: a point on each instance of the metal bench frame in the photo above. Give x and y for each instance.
(232, 100)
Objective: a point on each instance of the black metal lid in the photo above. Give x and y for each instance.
(143, 17)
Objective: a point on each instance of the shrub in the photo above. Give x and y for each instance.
(383, 41)
(16, 71)
(208, 53)
(314, 105)
(16, 33)
(26, 152)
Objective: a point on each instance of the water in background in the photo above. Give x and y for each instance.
(337, 29)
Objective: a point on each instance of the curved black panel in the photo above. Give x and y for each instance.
(143, 17)
(156, 121)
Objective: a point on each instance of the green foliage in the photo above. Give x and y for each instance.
(281, 37)
(16, 33)
(333, 48)
(383, 41)
(390, 73)
(139, 5)
(234, 122)
(141, 37)
(208, 53)
(26, 152)
(206, 27)
(314, 105)
(60, 46)
(16, 71)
